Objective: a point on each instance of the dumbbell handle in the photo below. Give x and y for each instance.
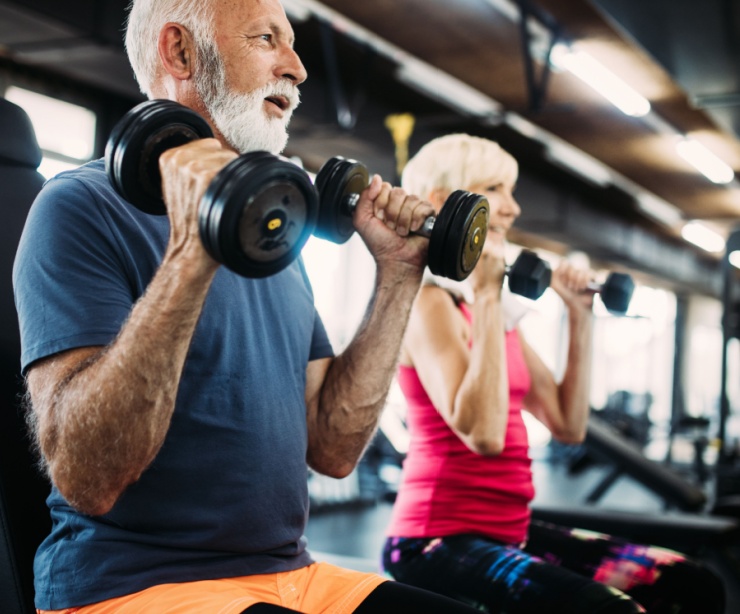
(425, 230)
(456, 233)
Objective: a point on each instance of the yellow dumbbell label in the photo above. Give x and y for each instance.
(274, 223)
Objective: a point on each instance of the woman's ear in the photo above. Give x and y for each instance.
(176, 51)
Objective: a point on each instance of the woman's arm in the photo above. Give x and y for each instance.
(467, 382)
(564, 408)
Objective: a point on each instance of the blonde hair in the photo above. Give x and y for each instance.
(458, 162)
(145, 20)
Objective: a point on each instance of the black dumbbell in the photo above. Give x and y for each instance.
(530, 276)
(616, 292)
(456, 236)
(256, 214)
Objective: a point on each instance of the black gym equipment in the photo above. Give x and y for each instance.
(456, 236)
(616, 292)
(258, 211)
(730, 330)
(684, 526)
(606, 444)
(136, 142)
(530, 276)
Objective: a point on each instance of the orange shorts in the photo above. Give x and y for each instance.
(320, 587)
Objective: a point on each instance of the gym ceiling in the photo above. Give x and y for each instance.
(593, 177)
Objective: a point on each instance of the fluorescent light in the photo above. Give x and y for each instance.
(579, 162)
(447, 89)
(703, 237)
(412, 71)
(522, 126)
(658, 209)
(704, 161)
(734, 258)
(601, 79)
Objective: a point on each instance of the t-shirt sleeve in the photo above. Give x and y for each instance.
(69, 279)
(320, 344)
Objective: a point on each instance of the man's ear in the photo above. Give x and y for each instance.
(176, 51)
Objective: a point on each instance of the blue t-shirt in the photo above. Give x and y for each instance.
(227, 493)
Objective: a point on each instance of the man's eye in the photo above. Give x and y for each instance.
(266, 37)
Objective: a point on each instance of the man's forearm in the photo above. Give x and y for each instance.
(356, 386)
(104, 421)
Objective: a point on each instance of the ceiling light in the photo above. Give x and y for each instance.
(522, 126)
(585, 166)
(601, 79)
(659, 209)
(703, 237)
(734, 259)
(447, 89)
(704, 161)
(423, 77)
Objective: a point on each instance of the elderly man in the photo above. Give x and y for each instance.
(176, 405)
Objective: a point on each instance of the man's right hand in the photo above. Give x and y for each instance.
(385, 218)
(186, 173)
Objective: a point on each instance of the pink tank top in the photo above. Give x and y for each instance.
(446, 488)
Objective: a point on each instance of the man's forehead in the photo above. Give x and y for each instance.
(268, 14)
(251, 9)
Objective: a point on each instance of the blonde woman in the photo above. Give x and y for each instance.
(461, 523)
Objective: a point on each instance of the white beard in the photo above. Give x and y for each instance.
(243, 122)
(240, 117)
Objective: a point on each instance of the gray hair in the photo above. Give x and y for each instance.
(458, 162)
(145, 21)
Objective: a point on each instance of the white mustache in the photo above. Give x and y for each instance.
(287, 90)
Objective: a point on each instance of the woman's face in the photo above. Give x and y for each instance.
(504, 209)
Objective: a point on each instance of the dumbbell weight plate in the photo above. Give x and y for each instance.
(338, 182)
(135, 144)
(435, 258)
(458, 235)
(257, 214)
(616, 293)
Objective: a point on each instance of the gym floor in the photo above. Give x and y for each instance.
(357, 531)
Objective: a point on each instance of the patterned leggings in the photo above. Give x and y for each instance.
(560, 570)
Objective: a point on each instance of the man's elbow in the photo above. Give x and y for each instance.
(88, 497)
(332, 467)
(88, 503)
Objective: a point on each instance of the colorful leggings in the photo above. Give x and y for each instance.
(560, 570)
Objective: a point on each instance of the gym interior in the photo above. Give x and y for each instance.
(602, 183)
